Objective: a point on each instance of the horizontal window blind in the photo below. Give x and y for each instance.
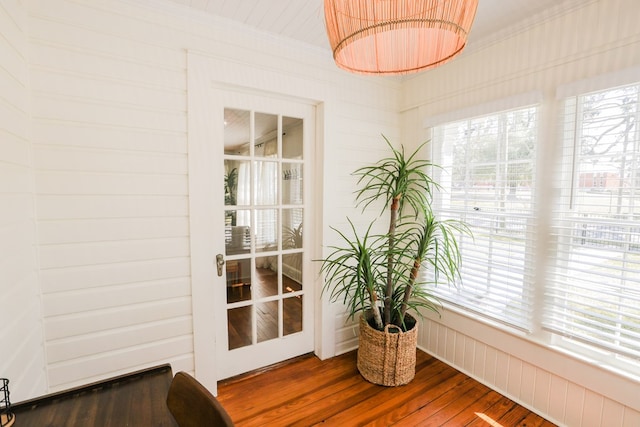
(593, 292)
(488, 176)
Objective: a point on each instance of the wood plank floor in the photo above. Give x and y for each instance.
(307, 391)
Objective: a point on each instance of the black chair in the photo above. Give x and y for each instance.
(192, 405)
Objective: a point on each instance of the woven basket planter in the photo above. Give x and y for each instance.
(387, 357)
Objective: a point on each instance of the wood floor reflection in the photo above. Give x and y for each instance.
(239, 319)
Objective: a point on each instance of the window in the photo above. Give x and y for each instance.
(488, 176)
(587, 298)
(593, 293)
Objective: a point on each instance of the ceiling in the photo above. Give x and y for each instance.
(303, 20)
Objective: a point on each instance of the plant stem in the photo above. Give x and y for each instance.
(395, 204)
(409, 289)
(377, 318)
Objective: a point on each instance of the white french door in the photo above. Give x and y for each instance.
(260, 168)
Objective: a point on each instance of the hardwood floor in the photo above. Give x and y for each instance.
(307, 391)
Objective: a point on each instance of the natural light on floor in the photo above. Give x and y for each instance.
(489, 420)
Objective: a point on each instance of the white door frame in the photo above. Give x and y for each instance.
(204, 73)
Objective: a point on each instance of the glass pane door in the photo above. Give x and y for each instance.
(263, 226)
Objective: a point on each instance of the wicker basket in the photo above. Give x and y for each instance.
(387, 358)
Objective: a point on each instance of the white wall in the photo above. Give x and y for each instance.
(21, 346)
(565, 45)
(109, 132)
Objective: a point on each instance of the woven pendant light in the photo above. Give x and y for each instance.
(397, 36)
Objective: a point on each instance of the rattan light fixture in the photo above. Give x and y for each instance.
(397, 36)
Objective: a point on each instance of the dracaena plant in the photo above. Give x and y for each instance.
(381, 273)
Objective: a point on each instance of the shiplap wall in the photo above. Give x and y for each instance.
(109, 138)
(590, 39)
(110, 155)
(21, 346)
(548, 382)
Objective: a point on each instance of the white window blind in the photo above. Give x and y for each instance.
(488, 177)
(593, 293)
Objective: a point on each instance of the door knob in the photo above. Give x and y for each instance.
(219, 263)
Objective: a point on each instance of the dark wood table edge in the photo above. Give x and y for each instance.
(75, 391)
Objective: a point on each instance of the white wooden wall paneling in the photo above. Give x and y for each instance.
(104, 297)
(105, 137)
(67, 59)
(117, 339)
(594, 39)
(73, 324)
(144, 29)
(109, 123)
(346, 335)
(85, 206)
(74, 85)
(13, 46)
(110, 39)
(117, 362)
(106, 229)
(53, 159)
(14, 151)
(13, 120)
(547, 393)
(89, 112)
(21, 352)
(73, 255)
(86, 277)
(92, 183)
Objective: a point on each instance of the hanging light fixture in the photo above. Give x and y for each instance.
(397, 36)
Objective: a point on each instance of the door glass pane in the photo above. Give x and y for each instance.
(238, 280)
(292, 138)
(291, 228)
(292, 315)
(265, 183)
(263, 205)
(237, 132)
(267, 320)
(237, 237)
(266, 276)
(266, 142)
(266, 230)
(291, 272)
(291, 183)
(237, 182)
(239, 322)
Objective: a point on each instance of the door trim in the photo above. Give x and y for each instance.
(204, 78)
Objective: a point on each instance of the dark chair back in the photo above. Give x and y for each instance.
(192, 405)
